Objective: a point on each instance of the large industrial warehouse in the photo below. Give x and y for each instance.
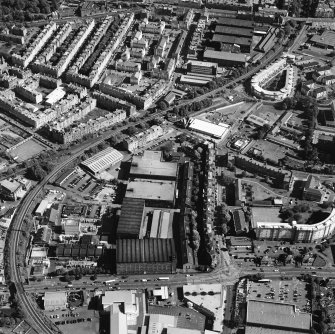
(145, 256)
(102, 160)
(225, 58)
(218, 131)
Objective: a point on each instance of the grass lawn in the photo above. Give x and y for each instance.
(27, 150)
(319, 262)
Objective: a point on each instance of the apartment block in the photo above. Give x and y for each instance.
(29, 93)
(91, 45)
(55, 43)
(141, 139)
(70, 134)
(111, 103)
(35, 47)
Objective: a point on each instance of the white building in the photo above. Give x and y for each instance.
(277, 230)
(218, 131)
(263, 77)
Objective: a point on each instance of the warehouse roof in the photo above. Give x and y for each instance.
(239, 220)
(235, 22)
(235, 31)
(215, 130)
(55, 299)
(118, 323)
(326, 38)
(232, 39)
(277, 315)
(10, 185)
(151, 190)
(102, 160)
(260, 330)
(222, 55)
(175, 330)
(131, 216)
(152, 166)
(203, 63)
(145, 250)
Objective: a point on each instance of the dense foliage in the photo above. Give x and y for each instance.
(26, 10)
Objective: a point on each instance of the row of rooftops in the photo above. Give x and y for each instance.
(89, 48)
(62, 33)
(76, 43)
(40, 39)
(107, 53)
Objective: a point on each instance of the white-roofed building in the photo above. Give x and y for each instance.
(210, 129)
(158, 322)
(175, 330)
(55, 300)
(102, 160)
(41, 208)
(127, 300)
(162, 292)
(56, 95)
(118, 323)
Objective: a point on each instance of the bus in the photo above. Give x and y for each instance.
(109, 282)
(163, 278)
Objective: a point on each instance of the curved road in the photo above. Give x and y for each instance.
(29, 307)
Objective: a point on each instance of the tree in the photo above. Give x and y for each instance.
(258, 276)
(162, 105)
(67, 278)
(262, 131)
(287, 29)
(36, 172)
(131, 130)
(114, 140)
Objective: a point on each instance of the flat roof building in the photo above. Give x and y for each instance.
(156, 193)
(278, 316)
(232, 22)
(243, 42)
(71, 226)
(210, 129)
(240, 32)
(55, 300)
(118, 323)
(150, 166)
(102, 160)
(225, 58)
(326, 39)
(10, 189)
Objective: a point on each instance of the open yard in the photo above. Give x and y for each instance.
(269, 151)
(27, 150)
(228, 114)
(268, 113)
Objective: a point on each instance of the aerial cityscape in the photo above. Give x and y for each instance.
(167, 166)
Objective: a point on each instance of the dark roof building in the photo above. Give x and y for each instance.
(239, 222)
(326, 39)
(241, 32)
(145, 256)
(232, 22)
(225, 58)
(243, 42)
(263, 316)
(131, 218)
